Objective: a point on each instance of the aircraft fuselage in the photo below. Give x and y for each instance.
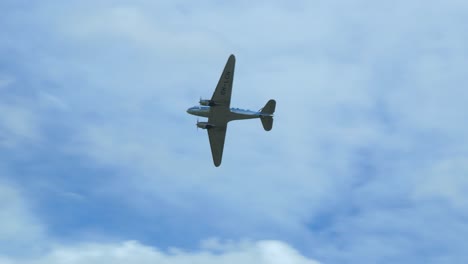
(233, 114)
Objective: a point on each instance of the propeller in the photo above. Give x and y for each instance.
(197, 125)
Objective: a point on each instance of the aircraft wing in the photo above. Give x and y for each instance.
(220, 111)
(217, 135)
(222, 94)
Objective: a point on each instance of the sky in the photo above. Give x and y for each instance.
(367, 161)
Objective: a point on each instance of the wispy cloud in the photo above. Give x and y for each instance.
(18, 124)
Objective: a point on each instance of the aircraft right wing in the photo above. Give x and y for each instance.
(217, 135)
(222, 94)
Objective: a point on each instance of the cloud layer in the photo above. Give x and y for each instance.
(366, 162)
(268, 252)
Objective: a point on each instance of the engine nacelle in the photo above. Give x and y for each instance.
(207, 102)
(204, 125)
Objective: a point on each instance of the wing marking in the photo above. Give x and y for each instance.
(222, 93)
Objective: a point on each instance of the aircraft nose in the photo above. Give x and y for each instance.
(189, 110)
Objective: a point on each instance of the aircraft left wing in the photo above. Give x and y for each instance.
(217, 135)
(222, 93)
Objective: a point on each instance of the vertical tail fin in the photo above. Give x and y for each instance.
(268, 110)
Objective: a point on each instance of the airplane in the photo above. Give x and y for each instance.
(219, 113)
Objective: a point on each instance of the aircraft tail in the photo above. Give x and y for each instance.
(268, 110)
(267, 122)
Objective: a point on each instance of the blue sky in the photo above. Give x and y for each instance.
(367, 161)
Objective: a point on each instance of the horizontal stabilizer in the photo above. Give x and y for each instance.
(269, 108)
(267, 122)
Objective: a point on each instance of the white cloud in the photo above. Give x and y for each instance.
(156, 33)
(261, 252)
(23, 240)
(331, 95)
(19, 228)
(384, 79)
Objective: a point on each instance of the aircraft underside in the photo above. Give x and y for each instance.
(219, 113)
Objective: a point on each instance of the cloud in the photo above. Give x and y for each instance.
(445, 180)
(19, 228)
(267, 252)
(18, 124)
(368, 144)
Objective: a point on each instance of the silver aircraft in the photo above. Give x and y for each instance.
(219, 113)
